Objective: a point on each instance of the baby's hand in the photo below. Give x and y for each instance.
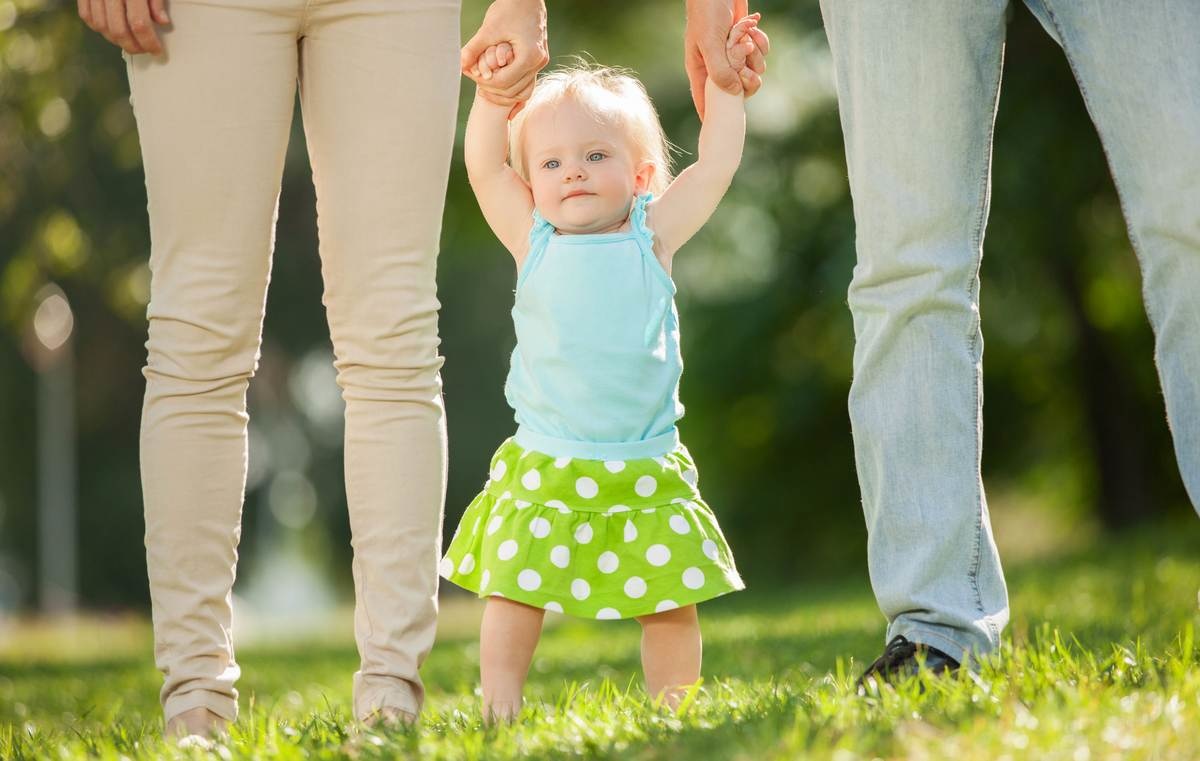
(493, 59)
(746, 49)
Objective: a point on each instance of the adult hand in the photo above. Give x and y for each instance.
(128, 24)
(521, 24)
(704, 57)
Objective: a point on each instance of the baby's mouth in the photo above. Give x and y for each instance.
(577, 194)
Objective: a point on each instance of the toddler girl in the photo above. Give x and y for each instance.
(592, 507)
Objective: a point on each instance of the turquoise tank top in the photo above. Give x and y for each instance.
(595, 373)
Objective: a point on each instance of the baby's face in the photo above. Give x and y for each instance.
(582, 172)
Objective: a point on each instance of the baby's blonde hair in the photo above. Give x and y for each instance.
(615, 97)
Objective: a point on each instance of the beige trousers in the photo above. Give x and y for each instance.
(379, 93)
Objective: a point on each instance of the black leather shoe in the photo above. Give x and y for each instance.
(901, 659)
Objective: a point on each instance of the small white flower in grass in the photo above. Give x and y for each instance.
(693, 578)
(498, 470)
(446, 567)
(580, 589)
(679, 524)
(583, 534)
(614, 466)
(645, 486)
(560, 556)
(539, 527)
(635, 587)
(562, 462)
(608, 613)
(467, 565)
(586, 487)
(658, 555)
(607, 562)
(710, 549)
(484, 579)
(506, 550)
(494, 524)
(532, 480)
(552, 605)
(529, 580)
(666, 605)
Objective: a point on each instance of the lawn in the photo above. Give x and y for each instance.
(1100, 662)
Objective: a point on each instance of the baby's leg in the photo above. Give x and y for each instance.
(507, 638)
(671, 650)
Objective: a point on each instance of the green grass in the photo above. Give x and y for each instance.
(1100, 662)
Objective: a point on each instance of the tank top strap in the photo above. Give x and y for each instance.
(637, 219)
(539, 237)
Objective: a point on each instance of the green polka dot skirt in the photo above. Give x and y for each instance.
(591, 538)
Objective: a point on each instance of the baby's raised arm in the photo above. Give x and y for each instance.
(686, 205)
(504, 198)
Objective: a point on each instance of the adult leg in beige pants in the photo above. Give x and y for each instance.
(379, 86)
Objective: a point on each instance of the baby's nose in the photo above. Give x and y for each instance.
(576, 172)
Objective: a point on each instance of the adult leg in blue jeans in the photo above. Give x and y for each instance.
(918, 85)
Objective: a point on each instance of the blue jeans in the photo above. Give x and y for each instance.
(918, 83)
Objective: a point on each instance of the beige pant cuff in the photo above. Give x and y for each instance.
(222, 705)
(399, 697)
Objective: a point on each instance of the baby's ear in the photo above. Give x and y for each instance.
(644, 176)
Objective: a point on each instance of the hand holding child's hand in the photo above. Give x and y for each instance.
(493, 59)
(746, 48)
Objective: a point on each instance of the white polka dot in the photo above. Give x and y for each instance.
(614, 466)
(583, 534)
(608, 613)
(630, 531)
(496, 594)
(586, 487)
(607, 562)
(552, 605)
(662, 461)
(649, 509)
(679, 524)
(521, 504)
(539, 527)
(635, 587)
(679, 501)
(580, 589)
(691, 505)
(562, 462)
(446, 567)
(666, 605)
(560, 556)
(494, 524)
(658, 555)
(468, 564)
(693, 578)
(616, 509)
(559, 505)
(645, 486)
(506, 550)
(710, 549)
(529, 580)
(498, 470)
(475, 528)
(531, 480)
(504, 496)
(691, 476)
(483, 580)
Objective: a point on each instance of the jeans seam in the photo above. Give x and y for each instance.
(972, 337)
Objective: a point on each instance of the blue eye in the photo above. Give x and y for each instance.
(595, 156)
(551, 164)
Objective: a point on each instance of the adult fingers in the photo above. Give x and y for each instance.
(469, 55)
(85, 11)
(159, 9)
(761, 40)
(751, 81)
(141, 26)
(99, 17)
(118, 27)
(697, 74)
